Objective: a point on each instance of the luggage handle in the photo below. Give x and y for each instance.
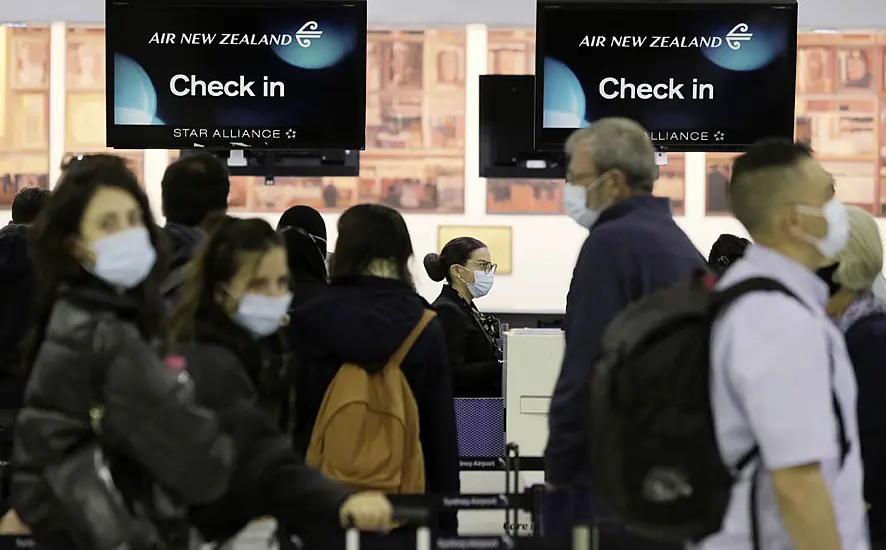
(512, 484)
(420, 516)
(401, 514)
(586, 537)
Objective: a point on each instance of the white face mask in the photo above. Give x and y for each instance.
(262, 315)
(124, 259)
(482, 284)
(575, 203)
(834, 213)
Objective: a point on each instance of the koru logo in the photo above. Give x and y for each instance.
(739, 33)
(310, 31)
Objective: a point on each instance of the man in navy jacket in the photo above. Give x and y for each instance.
(634, 247)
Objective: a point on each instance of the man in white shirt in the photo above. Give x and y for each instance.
(778, 363)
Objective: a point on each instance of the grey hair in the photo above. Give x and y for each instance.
(618, 144)
(861, 260)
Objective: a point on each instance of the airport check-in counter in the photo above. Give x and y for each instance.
(532, 359)
(532, 364)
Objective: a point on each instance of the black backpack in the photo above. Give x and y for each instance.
(653, 445)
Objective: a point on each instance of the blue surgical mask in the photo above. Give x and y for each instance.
(260, 314)
(124, 259)
(482, 284)
(575, 203)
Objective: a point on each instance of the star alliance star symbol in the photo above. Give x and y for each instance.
(290, 134)
(718, 136)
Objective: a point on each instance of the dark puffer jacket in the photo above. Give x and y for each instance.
(231, 377)
(93, 358)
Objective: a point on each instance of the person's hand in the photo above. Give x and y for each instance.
(10, 524)
(370, 511)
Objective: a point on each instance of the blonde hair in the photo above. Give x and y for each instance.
(861, 261)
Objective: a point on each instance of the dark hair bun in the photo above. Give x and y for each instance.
(434, 267)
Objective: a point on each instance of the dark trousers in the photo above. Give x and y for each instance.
(565, 508)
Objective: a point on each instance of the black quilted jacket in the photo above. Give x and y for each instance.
(93, 358)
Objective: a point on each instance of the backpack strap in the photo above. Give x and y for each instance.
(400, 355)
(723, 298)
(845, 444)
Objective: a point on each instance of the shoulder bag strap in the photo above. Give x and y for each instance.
(400, 355)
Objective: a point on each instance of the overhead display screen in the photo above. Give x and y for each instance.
(700, 76)
(224, 74)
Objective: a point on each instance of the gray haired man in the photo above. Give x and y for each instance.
(634, 248)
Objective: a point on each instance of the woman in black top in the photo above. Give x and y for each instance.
(304, 235)
(368, 310)
(471, 337)
(235, 296)
(107, 425)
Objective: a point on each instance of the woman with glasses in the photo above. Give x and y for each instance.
(471, 337)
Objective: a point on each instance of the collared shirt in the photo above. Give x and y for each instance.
(772, 385)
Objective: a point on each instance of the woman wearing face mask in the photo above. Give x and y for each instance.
(235, 295)
(862, 317)
(471, 336)
(363, 317)
(107, 424)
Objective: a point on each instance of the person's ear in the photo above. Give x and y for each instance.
(617, 184)
(454, 275)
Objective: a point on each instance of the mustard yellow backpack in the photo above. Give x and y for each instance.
(366, 434)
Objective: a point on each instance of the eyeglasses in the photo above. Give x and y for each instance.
(486, 267)
(316, 239)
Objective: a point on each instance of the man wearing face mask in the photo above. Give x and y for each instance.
(781, 380)
(634, 248)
